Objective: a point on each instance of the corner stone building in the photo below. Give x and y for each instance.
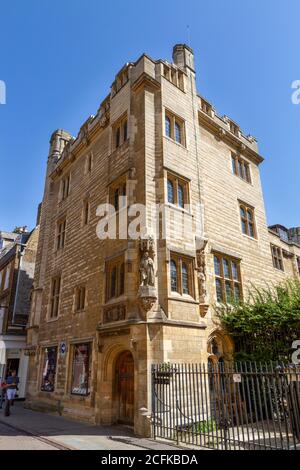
(94, 329)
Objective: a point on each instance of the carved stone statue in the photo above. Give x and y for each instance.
(202, 282)
(147, 270)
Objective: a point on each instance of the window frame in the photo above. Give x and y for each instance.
(117, 266)
(238, 162)
(89, 163)
(54, 300)
(43, 368)
(80, 299)
(61, 229)
(177, 181)
(118, 187)
(65, 187)
(175, 121)
(89, 372)
(120, 132)
(86, 212)
(277, 257)
(178, 260)
(224, 280)
(248, 220)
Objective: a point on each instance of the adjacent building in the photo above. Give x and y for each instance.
(17, 260)
(107, 303)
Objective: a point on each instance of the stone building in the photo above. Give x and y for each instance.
(17, 259)
(105, 309)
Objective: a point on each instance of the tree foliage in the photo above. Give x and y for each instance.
(265, 325)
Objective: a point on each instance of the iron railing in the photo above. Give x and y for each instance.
(230, 406)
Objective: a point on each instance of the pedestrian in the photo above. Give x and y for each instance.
(11, 386)
(2, 393)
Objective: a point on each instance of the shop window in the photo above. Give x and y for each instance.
(81, 369)
(49, 369)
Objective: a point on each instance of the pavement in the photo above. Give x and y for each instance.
(11, 439)
(27, 428)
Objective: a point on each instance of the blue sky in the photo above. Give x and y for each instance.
(58, 59)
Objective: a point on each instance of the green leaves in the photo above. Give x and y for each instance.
(264, 326)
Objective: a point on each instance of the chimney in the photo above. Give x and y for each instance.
(183, 57)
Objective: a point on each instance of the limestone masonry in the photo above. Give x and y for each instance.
(104, 310)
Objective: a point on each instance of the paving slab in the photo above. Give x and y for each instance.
(75, 435)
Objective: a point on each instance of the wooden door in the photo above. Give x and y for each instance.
(125, 388)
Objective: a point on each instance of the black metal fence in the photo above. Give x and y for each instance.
(227, 406)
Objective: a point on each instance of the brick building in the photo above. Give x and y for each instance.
(103, 310)
(17, 259)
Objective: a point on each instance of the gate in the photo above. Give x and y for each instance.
(227, 406)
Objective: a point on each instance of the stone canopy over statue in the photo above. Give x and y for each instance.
(147, 270)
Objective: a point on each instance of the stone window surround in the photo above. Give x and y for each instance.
(176, 179)
(60, 233)
(50, 318)
(179, 258)
(5, 279)
(65, 187)
(236, 158)
(118, 184)
(230, 259)
(86, 211)
(41, 368)
(119, 127)
(277, 257)
(117, 263)
(248, 209)
(89, 162)
(80, 297)
(69, 381)
(174, 75)
(174, 118)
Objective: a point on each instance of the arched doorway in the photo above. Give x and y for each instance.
(124, 386)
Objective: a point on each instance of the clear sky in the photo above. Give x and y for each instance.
(58, 59)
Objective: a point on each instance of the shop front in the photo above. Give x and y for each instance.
(12, 357)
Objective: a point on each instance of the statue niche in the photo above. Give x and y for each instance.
(147, 291)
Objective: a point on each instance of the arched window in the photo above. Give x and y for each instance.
(170, 192)
(168, 126)
(174, 284)
(185, 279)
(177, 132)
(180, 195)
